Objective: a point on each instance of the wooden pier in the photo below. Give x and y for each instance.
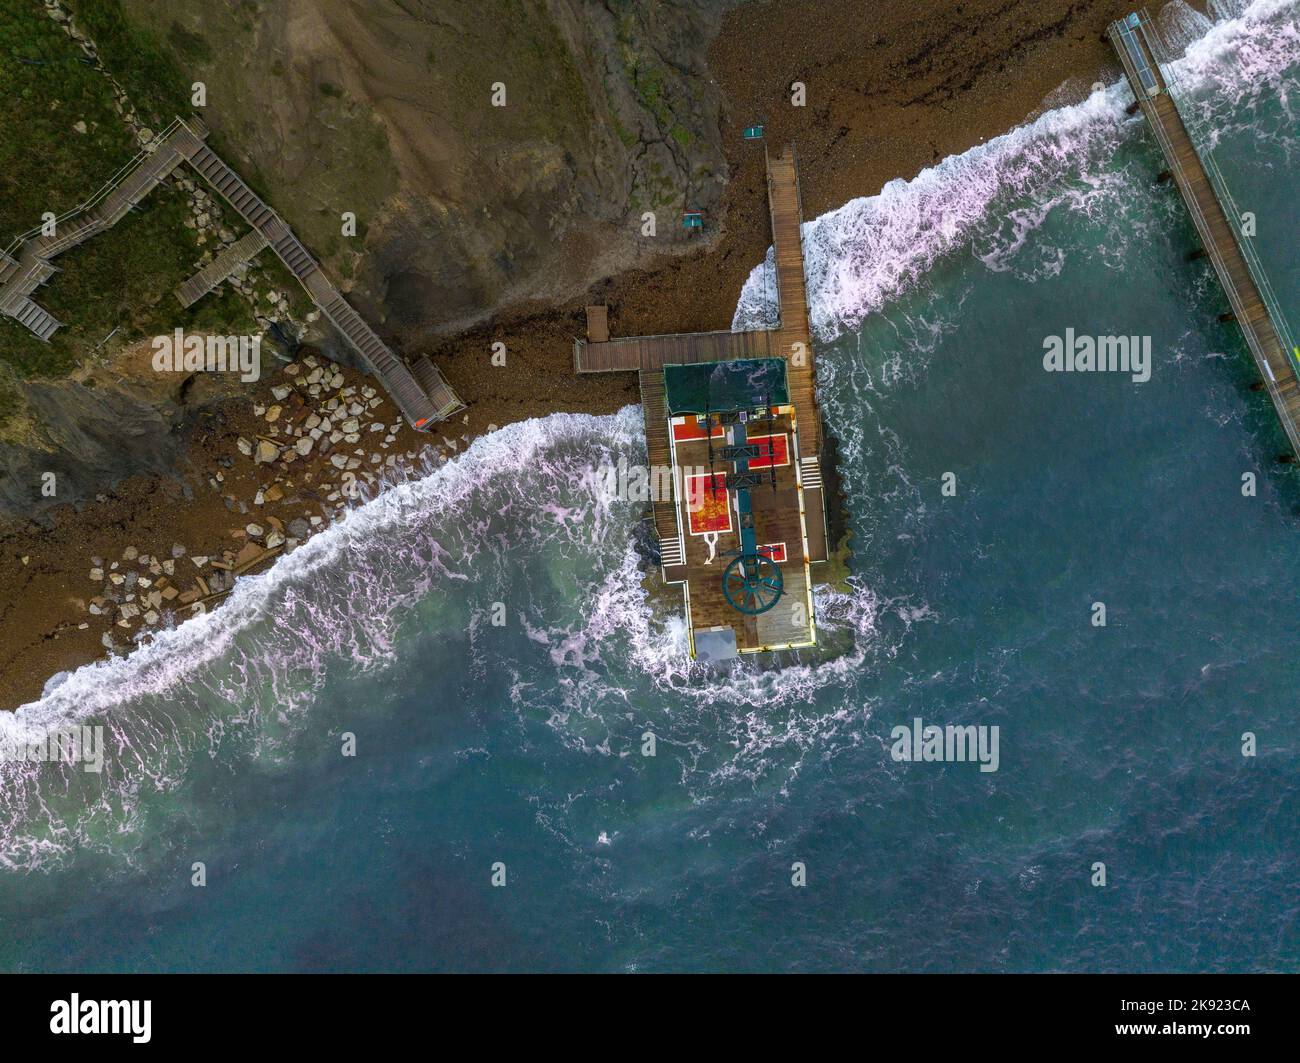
(789, 509)
(423, 397)
(794, 339)
(1203, 190)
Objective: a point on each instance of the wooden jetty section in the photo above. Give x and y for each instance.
(794, 336)
(1203, 190)
(785, 512)
(25, 265)
(654, 352)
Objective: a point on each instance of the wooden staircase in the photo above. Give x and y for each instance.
(422, 405)
(21, 276)
(26, 266)
(243, 250)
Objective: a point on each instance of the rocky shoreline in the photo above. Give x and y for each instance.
(309, 440)
(278, 471)
(259, 472)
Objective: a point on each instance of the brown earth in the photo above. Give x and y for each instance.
(388, 110)
(891, 89)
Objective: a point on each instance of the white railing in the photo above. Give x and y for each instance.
(1183, 102)
(104, 192)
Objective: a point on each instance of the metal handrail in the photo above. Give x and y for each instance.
(104, 192)
(1202, 223)
(1220, 185)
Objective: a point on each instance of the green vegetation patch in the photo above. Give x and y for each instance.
(119, 285)
(137, 59)
(45, 92)
(120, 280)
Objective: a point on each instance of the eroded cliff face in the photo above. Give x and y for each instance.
(386, 109)
(85, 433)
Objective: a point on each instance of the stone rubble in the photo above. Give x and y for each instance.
(299, 467)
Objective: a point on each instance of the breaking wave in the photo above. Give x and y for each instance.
(426, 558)
(242, 676)
(874, 249)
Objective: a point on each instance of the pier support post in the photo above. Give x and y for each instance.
(1197, 255)
(1132, 108)
(1163, 176)
(1229, 316)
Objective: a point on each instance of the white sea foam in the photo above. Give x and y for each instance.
(251, 669)
(874, 249)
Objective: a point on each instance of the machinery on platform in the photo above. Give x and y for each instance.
(752, 582)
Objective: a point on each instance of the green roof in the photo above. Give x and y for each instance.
(720, 387)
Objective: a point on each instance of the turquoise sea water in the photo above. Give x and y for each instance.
(522, 744)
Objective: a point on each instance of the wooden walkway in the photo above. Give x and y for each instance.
(25, 265)
(1205, 194)
(793, 337)
(654, 352)
(242, 251)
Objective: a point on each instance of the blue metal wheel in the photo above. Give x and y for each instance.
(752, 584)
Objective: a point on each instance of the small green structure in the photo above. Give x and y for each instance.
(693, 219)
(753, 132)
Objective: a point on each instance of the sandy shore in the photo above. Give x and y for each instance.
(891, 89)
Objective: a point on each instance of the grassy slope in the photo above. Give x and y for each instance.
(122, 279)
(350, 165)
